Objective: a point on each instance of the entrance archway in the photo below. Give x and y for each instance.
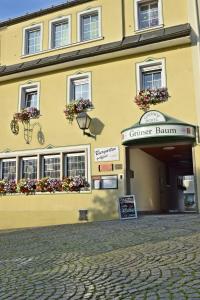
(160, 164)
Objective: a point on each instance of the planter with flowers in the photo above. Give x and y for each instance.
(49, 185)
(26, 186)
(74, 184)
(76, 107)
(26, 114)
(149, 97)
(44, 185)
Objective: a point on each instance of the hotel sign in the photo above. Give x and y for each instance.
(164, 130)
(152, 116)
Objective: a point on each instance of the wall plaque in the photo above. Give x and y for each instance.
(106, 154)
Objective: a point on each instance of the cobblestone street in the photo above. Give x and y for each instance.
(154, 257)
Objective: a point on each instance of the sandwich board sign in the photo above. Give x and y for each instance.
(127, 207)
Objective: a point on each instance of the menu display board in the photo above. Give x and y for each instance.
(127, 207)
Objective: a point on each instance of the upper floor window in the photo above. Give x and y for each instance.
(29, 96)
(60, 32)
(89, 25)
(148, 14)
(32, 40)
(151, 75)
(79, 87)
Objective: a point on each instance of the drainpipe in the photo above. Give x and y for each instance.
(123, 18)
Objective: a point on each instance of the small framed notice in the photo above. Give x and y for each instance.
(127, 207)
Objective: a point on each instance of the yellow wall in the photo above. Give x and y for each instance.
(113, 92)
(146, 182)
(112, 27)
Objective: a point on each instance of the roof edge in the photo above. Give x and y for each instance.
(42, 12)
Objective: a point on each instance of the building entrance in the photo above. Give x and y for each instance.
(165, 183)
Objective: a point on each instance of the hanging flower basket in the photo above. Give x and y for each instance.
(26, 114)
(148, 97)
(75, 108)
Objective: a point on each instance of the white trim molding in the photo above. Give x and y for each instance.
(137, 3)
(89, 12)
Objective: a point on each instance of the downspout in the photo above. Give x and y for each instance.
(123, 18)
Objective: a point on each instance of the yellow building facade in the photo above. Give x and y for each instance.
(104, 56)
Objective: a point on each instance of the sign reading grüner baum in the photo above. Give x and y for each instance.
(157, 130)
(106, 154)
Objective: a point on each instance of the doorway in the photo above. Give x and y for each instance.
(163, 177)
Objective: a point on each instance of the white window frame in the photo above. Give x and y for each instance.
(55, 21)
(76, 154)
(21, 164)
(57, 155)
(39, 25)
(88, 12)
(150, 66)
(28, 87)
(78, 76)
(5, 160)
(136, 14)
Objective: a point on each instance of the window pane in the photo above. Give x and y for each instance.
(32, 41)
(29, 169)
(9, 169)
(151, 80)
(52, 167)
(60, 34)
(80, 89)
(89, 26)
(148, 15)
(31, 99)
(74, 165)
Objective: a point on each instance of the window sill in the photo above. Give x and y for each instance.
(149, 29)
(47, 193)
(60, 48)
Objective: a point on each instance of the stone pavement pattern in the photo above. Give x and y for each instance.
(154, 257)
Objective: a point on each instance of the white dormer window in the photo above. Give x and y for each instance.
(148, 14)
(89, 25)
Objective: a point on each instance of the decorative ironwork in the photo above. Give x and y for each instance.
(14, 126)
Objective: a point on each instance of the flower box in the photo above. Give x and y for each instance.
(148, 97)
(76, 107)
(26, 114)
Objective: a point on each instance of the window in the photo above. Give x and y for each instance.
(60, 32)
(29, 168)
(74, 164)
(79, 87)
(54, 163)
(8, 169)
(89, 25)
(148, 14)
(29, 96)
(32, 40)
(51, 166)
(151, 75)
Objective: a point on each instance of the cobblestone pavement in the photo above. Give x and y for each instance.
(154, 257)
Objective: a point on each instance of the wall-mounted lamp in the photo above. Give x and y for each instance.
(84, 121)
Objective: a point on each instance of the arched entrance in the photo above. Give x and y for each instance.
(159, 163)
